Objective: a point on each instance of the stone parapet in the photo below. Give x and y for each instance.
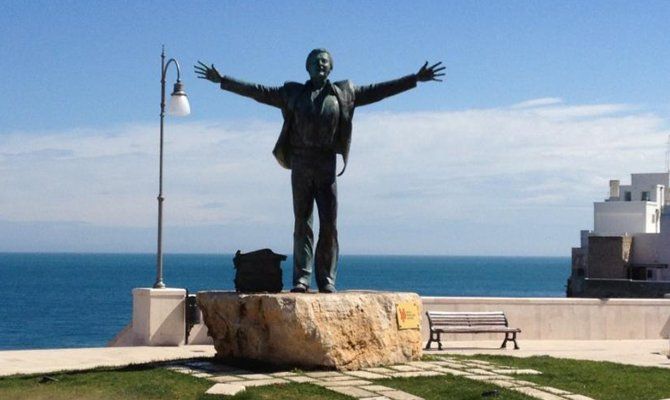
(346, 330)
(564, 318)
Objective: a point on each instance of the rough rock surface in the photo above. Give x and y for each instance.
(346, 330)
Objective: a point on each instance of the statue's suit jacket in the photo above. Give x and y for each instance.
(348, 96)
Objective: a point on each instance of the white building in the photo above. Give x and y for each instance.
(637, 211)
(634, 208)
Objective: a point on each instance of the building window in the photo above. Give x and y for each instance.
(646, 196)
(627, 196)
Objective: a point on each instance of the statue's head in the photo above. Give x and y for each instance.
(319, 64)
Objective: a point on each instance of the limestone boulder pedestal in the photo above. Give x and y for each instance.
(345, 330)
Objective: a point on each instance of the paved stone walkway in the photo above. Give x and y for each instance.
(25, 362)
(360, 385)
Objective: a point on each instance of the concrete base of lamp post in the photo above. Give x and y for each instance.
(158, 316)
(159, 320)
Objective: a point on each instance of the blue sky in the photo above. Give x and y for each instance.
(543, 103)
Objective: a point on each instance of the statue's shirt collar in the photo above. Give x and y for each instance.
(328, 86)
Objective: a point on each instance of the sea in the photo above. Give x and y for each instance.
(65, 300)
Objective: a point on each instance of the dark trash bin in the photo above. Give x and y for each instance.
(258, 271)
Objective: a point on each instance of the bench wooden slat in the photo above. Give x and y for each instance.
(466, 312)
(460, 319)
(476, 330)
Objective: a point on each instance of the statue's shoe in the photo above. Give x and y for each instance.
(328, 289)
(299, 288)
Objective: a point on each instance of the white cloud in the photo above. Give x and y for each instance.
(437, 182)
(545, 101)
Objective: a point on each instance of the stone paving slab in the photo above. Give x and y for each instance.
(323, 374)
(420, 364)
(432, 366)
(504, 384)
(449, 364)
(478, 362)
(506, 371)
(355, 382)
(582, 397)
(484, 367)
(379, 370)
(254, 376)
(479, 371)
(404, 368)
(375, 398)
(414, 374)
(536, 393)
(502, 377)
(225, 379)
(283, 374)
(399, 395)
(524, 383)
(450, 371)
(226, 389)
(300, 379)
(377, 388)
(481, 377)
(553, 390)
(263, 382)
(339, 378)
(367, 375)
(351, 391)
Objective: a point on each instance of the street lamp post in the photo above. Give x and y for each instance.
(179, 106)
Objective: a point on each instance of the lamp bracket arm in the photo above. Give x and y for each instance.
(176, 63)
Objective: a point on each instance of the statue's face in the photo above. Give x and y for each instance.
(319, 66)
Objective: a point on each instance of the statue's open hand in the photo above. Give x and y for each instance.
(205, 72)
(431, 73)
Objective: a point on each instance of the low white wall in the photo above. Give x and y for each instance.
(563, 318)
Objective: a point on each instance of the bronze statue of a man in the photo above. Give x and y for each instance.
(317, 127)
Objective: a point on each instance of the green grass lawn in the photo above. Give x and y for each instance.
(147, 383)
(131, 383)
(150, 383)
(599, 380)
(449, 387)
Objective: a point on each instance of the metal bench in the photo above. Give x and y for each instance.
(469, 322)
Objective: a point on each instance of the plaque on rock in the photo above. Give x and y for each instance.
(409, 316)
(258, 271)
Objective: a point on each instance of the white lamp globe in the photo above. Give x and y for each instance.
(179, 106)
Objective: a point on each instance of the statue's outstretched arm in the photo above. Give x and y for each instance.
(369, 94)
(263, 94)
(372, 93)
